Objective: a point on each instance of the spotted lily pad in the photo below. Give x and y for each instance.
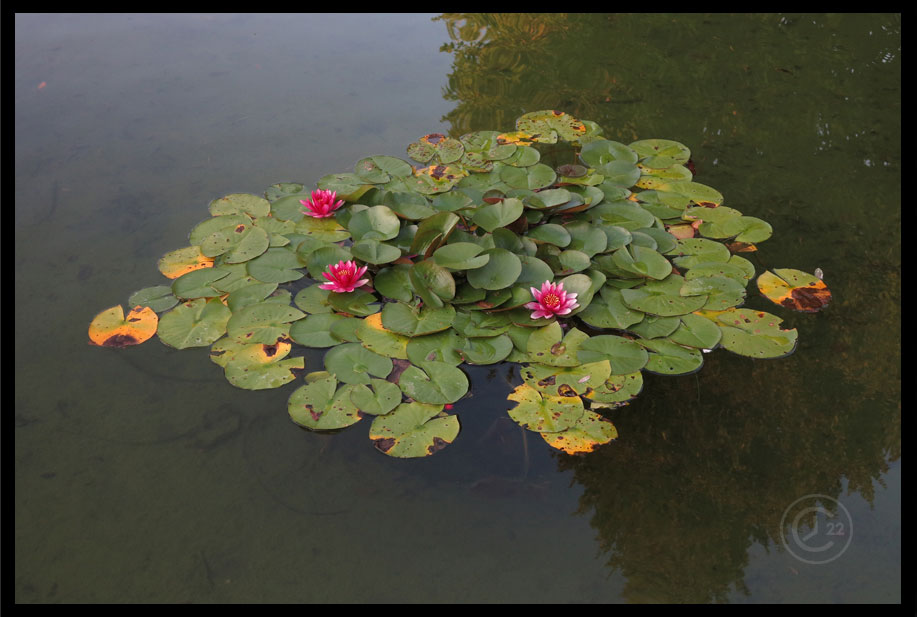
(544, 413)
(589, 432)
(414, 430)
(321, 406)
(794, 289)
(756, 334)
(111, 328)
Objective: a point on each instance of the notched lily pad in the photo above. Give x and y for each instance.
(794, 289)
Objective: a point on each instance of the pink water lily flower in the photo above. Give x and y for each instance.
(344, 277)
(322, 204)
(551, 300)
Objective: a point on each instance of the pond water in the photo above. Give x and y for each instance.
(142, 475)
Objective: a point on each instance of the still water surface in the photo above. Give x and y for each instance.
(141, 475)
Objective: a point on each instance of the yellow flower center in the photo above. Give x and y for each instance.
(550, 300)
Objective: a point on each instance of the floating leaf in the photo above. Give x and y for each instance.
(500, 214)
(238, 203)
(544, 413)
(754, 333)
(263, 376)
(590, 431)
(415, 321)
(264, 322)
(159, 298)
(321, 406)
(353, 363)
(434, 382)
(624, 355)
(111, 328)
(197, 323)
(501, 271)
(376, 338)
(669, 358)
(381, 399)
(181, 261)
(794, 289)
(541, 125)
(414, 430)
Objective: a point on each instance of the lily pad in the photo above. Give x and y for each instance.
(414, 430)
(322, 406)
(589, 432)
(353, 363)
(197, 323)
(544, 413)
(416, 321)
(434, 382)
(111, 328)
(501, 271)
(755, 334)
(263, 376)
(794, 289)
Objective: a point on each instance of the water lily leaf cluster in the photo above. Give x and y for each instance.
(584, 271)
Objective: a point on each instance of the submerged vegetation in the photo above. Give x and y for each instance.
(585, 271)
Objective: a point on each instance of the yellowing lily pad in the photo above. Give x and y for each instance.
(181, 261)
(544, 413)
(591, 431)
(794, 289)
(111, 328)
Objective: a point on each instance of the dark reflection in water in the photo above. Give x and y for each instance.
(142, 475)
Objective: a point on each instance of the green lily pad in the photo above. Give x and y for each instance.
(353, 363)
(416, 321)
(240, 203)
(414, 430)
(375, 252)
(442, 346)
(662, 298)
(315, 330)
(263, 376)
(434, 382)
(534, 177)
(197, 323)
(755, 334)
(669, 358)
(624, 355)
(265, 322)
(500, 272)
(375, 223)
(321, 406)
(500, 214)
(395, 282)
(697, 331)
(159, 298)
(198, 284)
(487, 350)
(276, 265)
(381, 399)
(460, 256)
